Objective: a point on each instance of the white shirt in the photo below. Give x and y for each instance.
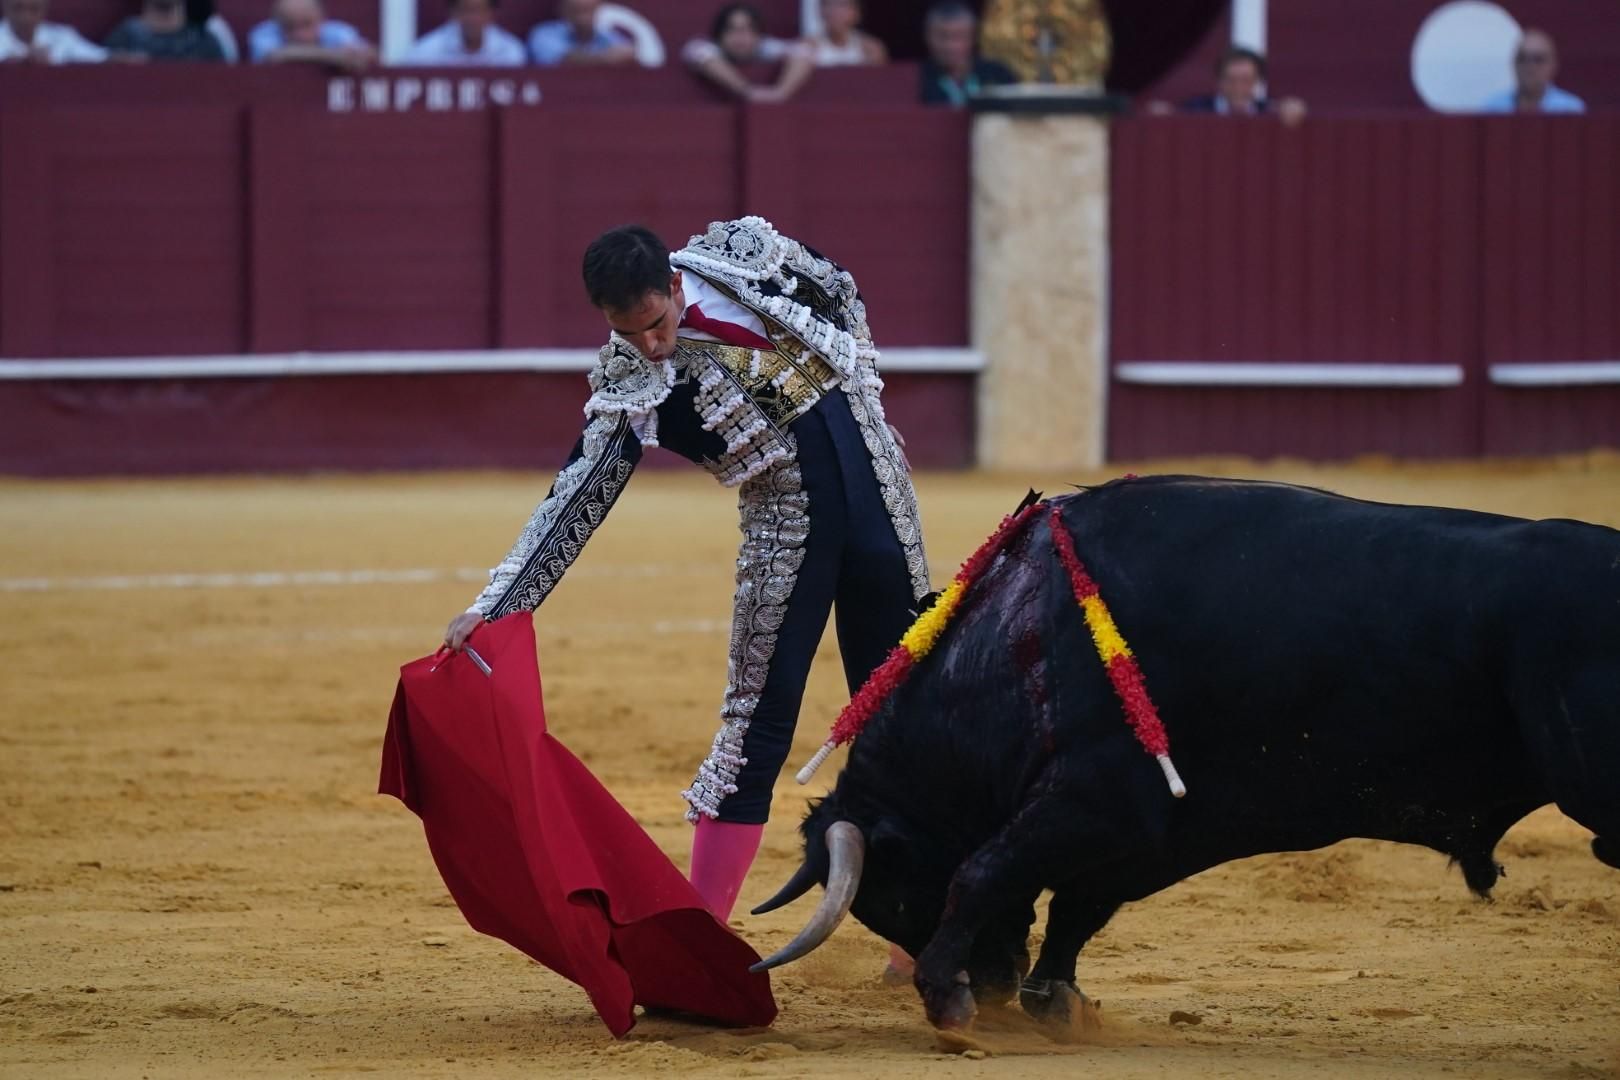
(701, 50)
(62, 44)
(444, 48)
(715, 305)
(849, 54)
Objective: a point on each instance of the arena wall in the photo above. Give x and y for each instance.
(1394, 283)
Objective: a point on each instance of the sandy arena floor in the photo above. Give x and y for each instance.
(196, 879)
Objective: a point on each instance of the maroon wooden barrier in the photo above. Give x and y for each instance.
(121, 231)
(1394, 240)
(883, 190)
(526, 421)
(267, 222)
(1550, 216)
(178, 229)
(567, 176)
(372, 232)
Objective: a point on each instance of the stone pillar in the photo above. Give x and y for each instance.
(1040, 279)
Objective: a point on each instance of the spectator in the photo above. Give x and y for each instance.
(25, 37)
(298, 31)
(1239, 76)
(954, 70)
(161, 32)
(737, 39)
(842, 42)
(1535, 62)
(469, 39)
(574, 38)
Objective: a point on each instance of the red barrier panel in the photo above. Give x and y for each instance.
(396, 212)
(565, 176)
(387, 422)
(121, 231)
(372, 232)
(882, 190)
(1447, 243)
(321, 218)
(1551, 277)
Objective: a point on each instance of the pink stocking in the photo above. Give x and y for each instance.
(722, 852)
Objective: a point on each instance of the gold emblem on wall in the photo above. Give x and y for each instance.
(1064, 42)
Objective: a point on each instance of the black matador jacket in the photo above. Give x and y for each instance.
(731, 410)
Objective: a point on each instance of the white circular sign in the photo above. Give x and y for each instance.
(1463, 53)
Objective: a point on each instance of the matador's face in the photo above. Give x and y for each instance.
(651, 324)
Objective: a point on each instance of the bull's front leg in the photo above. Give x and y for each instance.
(1050, 993)
(1000, 960)
(1013, 863)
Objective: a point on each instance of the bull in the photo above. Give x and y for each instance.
(1325, 667)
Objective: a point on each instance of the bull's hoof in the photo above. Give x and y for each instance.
(957, 1011)
(1053, 1001)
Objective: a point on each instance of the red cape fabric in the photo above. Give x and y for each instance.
(537, 853)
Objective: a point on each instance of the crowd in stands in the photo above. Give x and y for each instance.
(738, 56)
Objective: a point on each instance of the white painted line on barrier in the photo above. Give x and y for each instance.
(1377, 376)
(919, 360)
(1587, 373)
(279, 579)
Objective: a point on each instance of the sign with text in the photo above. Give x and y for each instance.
(415, 93)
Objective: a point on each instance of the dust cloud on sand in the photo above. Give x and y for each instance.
(197, 881)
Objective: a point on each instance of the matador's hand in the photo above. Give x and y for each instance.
(460, 629)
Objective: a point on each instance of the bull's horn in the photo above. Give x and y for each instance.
(846, 849)
(802, 881)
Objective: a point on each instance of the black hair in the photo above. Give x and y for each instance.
(623, 265)
(723, 16)
(1236, 53)
(948, 11)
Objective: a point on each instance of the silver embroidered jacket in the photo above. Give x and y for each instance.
(726, 408)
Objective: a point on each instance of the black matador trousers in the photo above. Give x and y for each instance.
(848, 559)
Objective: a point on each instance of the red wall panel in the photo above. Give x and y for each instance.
(1348, 240)
(372, 231)
(112, 249)
(565, 176)
(1373, 239)
(884, 192)
(528, 421)
(1551, 276)
(1262, 422)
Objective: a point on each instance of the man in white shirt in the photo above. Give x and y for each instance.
(469, 39)
(25, 37)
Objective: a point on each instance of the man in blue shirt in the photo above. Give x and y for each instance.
(573, 38)
(299, 31)
(1534, 65)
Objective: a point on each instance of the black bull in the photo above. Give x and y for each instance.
(1326, 668)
